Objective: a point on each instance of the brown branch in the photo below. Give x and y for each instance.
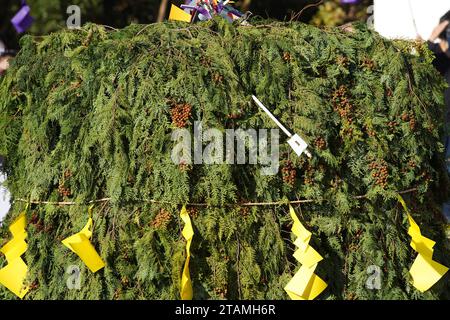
(238, 204)
(297, 15)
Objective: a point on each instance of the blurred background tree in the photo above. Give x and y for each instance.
(335, 13)
(50, 15)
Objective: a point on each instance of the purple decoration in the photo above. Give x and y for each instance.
(204, 9)
(22, 20)
(186, 6)
(236, 12)
(349, 1)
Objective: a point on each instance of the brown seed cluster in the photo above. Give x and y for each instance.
(412, 164)
(217, 77)
(320, 143)
(193, 212)
(34, 285)
(368, 64)
(412, 123)
(389, 92)
(221, 292)
(34, 218)
(181, 113)
(63, 189)
(162, 219)
(289, 173)
(67, 174)
(342, 104)
(184, 167)
(426, 176)
(405, 117)
(37, 222)
(205, 61)
(126, 256)
(359, 234)
(234, 116)
(48, 228)
(244, 212)
(380, 172)
(342, 61)
(117, 293)
(125, 281)
(351, 296)
(287, 56)
(336, 182)
(392, 125)
(149, 166)
(370, 131)
(309, 175)
(409, 117)
(347, 131)
(352, 247)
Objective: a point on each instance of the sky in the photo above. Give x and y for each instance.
(395, 18)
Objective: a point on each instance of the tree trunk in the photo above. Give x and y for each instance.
(246, 5)
(162, 10)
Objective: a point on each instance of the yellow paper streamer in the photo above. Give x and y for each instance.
(13, 275)
(79, 243)
(188, 233)
(305, 285)
(424, 271)
(178, 14)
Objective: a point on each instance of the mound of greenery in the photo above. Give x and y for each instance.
(88, 114)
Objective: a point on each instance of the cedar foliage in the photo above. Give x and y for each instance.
(86, 114)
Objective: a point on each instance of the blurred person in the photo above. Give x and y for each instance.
(5, 57)
(439, 44)
(4, 63)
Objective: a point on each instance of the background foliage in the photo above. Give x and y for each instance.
(51, 15)
(88, 114)
(333, 13)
